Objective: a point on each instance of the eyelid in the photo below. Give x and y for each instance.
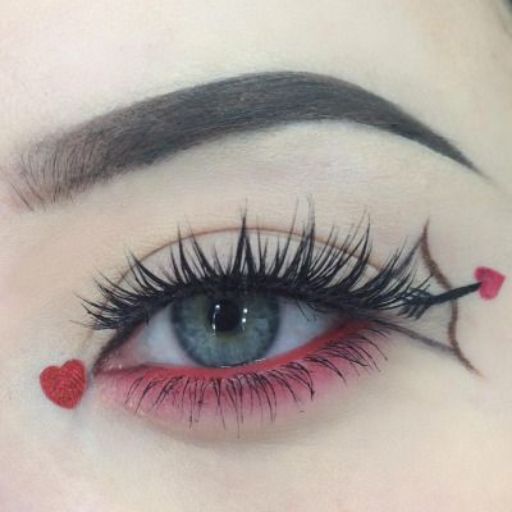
(197, 234)
(371, 304)
(331, 257)
(292, 234)
(414, 301)
(243, 397)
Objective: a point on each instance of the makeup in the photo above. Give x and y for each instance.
(333, 278)
(491, 282)
(64, 385)
(244, 396)
(442, 279)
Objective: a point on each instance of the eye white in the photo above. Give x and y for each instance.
(156, 342)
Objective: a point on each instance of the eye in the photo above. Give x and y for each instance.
(226, 330)
(237, 331)
(223, 331)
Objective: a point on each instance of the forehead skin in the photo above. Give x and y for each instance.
(447, 62)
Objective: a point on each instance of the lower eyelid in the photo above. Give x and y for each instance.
(241, 398)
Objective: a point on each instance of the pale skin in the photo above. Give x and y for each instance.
(424, 433)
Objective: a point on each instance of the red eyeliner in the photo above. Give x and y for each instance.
(236, 395)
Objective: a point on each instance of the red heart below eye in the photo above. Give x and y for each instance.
(64, 385)
(490, 282)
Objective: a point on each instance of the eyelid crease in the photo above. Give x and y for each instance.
(293, 233)
(256, 228)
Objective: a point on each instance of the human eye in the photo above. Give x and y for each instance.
(239, 330)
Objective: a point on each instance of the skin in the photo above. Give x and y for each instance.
(424, 433)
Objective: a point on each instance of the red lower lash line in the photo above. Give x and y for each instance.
(234, 394)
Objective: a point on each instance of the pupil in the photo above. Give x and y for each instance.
(225, 315)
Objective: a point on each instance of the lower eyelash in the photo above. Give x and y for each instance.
(242, 393)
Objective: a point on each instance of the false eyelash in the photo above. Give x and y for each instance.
(322, 278)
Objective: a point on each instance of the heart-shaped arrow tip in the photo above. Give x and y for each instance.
(491, 282)
(64, 385)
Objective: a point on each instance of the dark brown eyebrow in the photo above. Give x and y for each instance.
(126, 139)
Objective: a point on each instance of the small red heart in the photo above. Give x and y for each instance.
(490, 281)
(64, 385)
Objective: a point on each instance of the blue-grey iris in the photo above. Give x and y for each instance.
(226, 331)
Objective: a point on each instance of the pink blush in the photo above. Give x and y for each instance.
(491, 282)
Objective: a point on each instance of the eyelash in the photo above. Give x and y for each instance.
(332, 279)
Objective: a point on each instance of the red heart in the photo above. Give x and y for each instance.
(490, 282)
(64, 385)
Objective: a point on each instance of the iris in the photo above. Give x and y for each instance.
(226, 331)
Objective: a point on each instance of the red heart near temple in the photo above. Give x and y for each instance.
(491, 282)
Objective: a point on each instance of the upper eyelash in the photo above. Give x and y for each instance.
(320, 277)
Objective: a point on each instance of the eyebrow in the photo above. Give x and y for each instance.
(139, 135)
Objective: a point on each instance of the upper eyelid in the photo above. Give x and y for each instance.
(192, 234)
(339, 251)
(392, 291)
(259, 228)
